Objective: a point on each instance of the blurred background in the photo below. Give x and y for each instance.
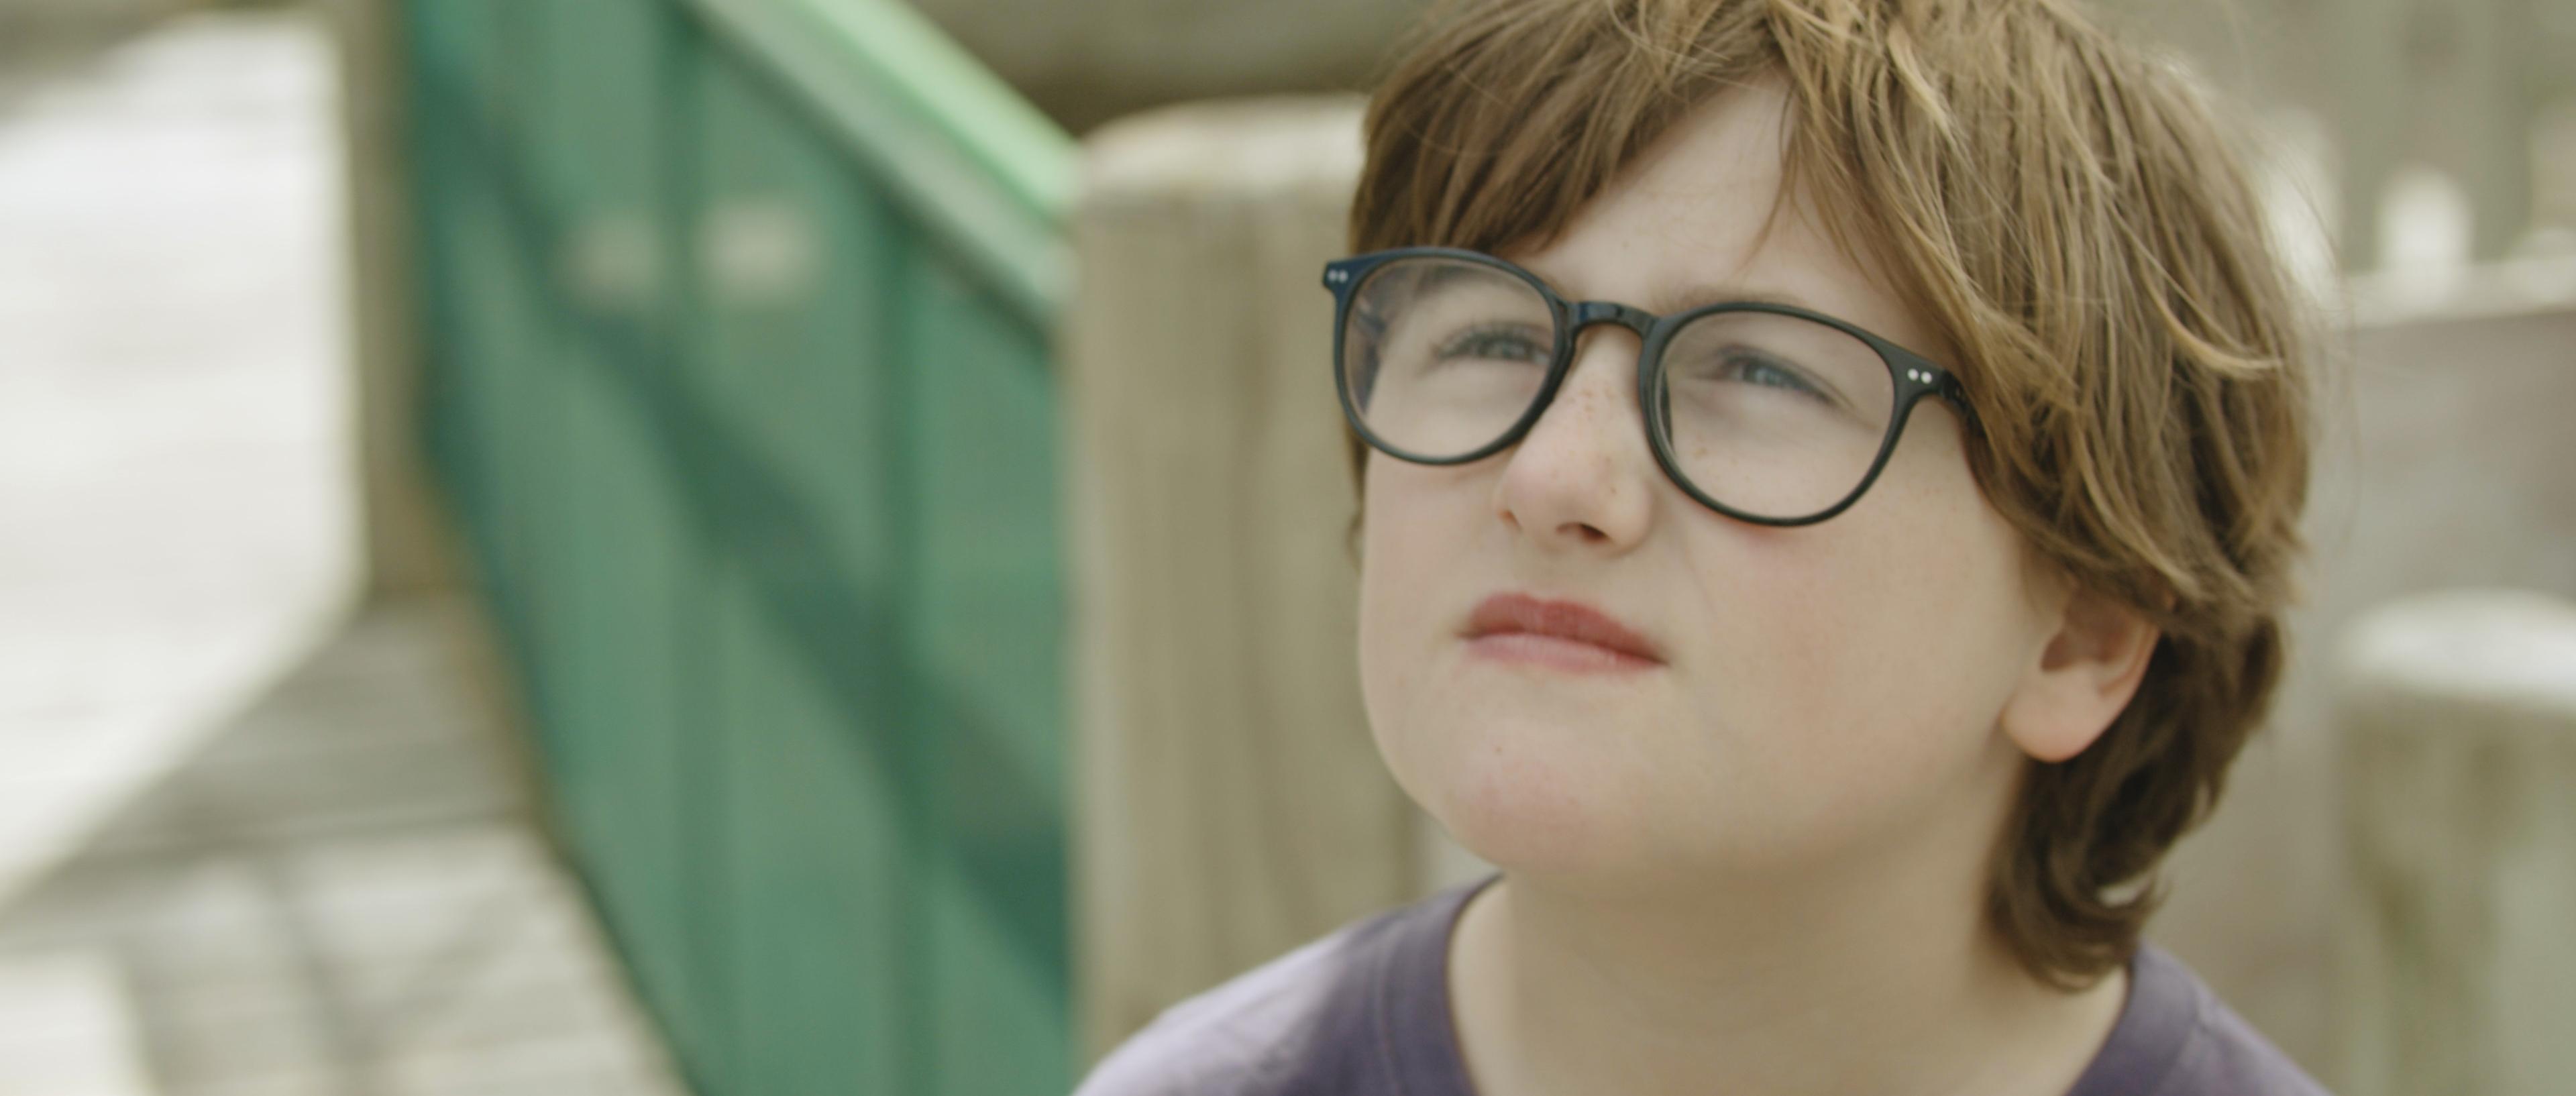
(798, 546)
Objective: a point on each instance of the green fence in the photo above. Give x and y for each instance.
(738, 381)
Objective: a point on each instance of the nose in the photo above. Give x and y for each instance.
(1582, 476)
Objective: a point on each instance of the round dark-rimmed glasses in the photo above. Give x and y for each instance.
(1764, 412)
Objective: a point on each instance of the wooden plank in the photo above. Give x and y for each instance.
(2397, 507)
(67, 1026)
(398, 517)
(2458, 712)
(1233, 804)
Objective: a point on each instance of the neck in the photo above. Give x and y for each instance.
(1878, 978)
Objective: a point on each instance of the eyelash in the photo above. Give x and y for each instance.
(1465, 343)
(1797, 379)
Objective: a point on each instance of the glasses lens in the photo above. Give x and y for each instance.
(1772, 415)
(1442, 356)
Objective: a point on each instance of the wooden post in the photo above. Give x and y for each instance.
(2500, 81)
(402, 538)
(2368, 86)
(2458, 712)
(1230, 802)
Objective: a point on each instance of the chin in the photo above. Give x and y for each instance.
(1512, 800)
(1574, 818)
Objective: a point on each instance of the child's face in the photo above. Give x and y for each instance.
(1818, 691)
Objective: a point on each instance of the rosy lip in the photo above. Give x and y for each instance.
(1566, 635)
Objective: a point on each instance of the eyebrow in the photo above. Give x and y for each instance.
(1697, 294)
(1692, 295)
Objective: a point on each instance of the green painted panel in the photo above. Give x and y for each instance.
(816, 940)
(984, 170)
(998, 1022)
(442, 183)
(449, 54)
(456, 38)
(498, 335)
(752, 431)
(630, 556)
(986, 635)
(816, 710)
(517, 369)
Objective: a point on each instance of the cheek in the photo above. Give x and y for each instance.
(1855, 667)
(1404, 537)
(1392, 551)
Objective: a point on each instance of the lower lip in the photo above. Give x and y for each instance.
(1557, 653)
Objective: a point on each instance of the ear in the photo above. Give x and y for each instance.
(2083, 675)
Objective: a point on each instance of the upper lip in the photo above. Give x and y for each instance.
(1505, 613)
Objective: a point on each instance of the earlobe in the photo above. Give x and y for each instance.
(2081, 678)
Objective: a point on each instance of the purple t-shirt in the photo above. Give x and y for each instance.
(1365, 1012)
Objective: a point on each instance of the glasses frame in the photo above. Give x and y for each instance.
(1912, 376)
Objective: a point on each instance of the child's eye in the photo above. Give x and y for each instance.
(1741, 365)
(1771, 374)
(1496, 344)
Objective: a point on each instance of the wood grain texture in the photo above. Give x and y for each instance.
(2458, 712)
(2402, 502)
(1231, 802)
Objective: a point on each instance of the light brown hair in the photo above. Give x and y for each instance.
(2079, 229)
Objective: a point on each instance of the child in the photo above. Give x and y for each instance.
(1831, 470)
